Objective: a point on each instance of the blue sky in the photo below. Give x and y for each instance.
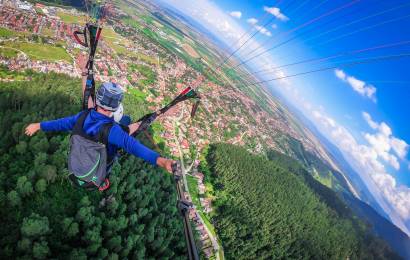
(362, 109)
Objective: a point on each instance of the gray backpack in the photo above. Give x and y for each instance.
(87, 159)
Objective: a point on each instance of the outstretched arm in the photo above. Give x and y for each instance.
(133, 127)
(165, 163)
(31, 129)
(121, 139)
(63, 124)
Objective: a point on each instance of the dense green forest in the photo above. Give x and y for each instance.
(75, 3)
(43, 216)
(273, 209)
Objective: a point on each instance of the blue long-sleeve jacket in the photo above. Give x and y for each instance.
(117, 137)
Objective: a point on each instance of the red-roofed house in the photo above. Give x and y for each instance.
(185, 144)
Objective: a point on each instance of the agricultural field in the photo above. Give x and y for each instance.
(6, 33)
(70, 18)
(191, 51)
(193, 190)
(8, 52)
(38, 51)
(120, 44)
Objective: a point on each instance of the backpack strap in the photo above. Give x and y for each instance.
(79, 127)
(101, 136)
(80, 122)
(104, 132)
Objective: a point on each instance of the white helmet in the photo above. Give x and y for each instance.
(118, 113)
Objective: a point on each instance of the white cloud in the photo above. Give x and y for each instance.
(276, 12)
(274, 26)
(340, 74)
(369, 120)
(280, 75)
(357, 85)
(252, 21)
(263, 30)
(392, 197)
(236, 14)
(384, 142)
(400, 147)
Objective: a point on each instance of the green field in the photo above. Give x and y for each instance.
(6, 33)
(69, 18)
(324, 178)
(48, 32)
(8, 52)
(131, 22)
(39, 11)
(41, 51)
(13, 75)
(116, 42)
(135, 93)
(146, 58)
(207, 223)
(147, 72)
(119, 44)
(193, 190)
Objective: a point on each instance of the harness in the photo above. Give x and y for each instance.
(100, 137)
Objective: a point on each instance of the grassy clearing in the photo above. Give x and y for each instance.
(41, 51)
(70, 18)
(115, 41)
(13, 75)
(191, 51)
(132, 22)
(193, 190)
(44, 52)
(120, 44)
(39, 11)
(48, 32)
(135, 93)
(325, 179)
(6, 33)
(146, 58)
(207, 223)
(8, 52)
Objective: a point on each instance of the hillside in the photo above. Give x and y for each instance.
(273, 209)
(43, 216)
(396, 238)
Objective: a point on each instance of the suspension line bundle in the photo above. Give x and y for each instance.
(89, 38)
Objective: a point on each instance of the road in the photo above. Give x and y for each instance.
(213, 239)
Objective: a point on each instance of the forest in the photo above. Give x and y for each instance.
(270, 207)
(44, 216)
(74, 3)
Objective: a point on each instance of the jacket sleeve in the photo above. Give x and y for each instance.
(62, 124)
(122, 140)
